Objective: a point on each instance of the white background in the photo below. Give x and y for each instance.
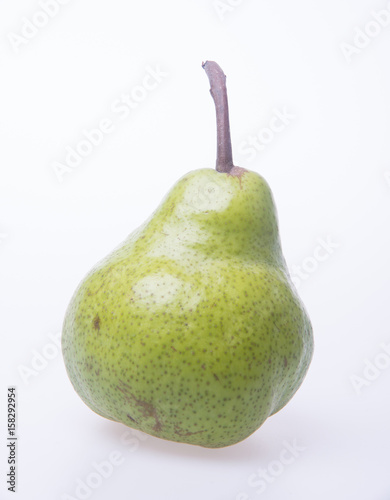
(329, 170)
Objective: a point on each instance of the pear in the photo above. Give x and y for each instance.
(191, 330)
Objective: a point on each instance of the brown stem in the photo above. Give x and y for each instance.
(218, 91)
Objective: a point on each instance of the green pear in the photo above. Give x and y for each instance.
(191, 330)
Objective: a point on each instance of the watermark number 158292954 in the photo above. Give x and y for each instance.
(11, 439)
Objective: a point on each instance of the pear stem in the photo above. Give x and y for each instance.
(218, 92)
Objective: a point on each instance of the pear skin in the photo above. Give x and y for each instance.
(192, 330)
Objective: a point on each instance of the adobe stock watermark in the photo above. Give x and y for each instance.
(263, 477)
(364, 36)
(103, 470)
(94, 479)
(205, 194)
(372, 369)
(281, 118)
(40, 359)
(131, 438)
(223, 7)
(48, 10)
(121, 108)
(321, 253)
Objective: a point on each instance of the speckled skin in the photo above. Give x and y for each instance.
(191, 330)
